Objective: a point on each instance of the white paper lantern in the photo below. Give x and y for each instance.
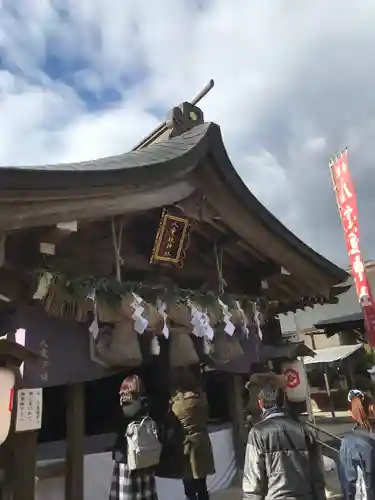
(296, 381)
(7, 381)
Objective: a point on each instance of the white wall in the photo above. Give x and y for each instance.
(322, 341)
(98, 472)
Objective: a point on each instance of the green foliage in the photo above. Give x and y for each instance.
(110, 288)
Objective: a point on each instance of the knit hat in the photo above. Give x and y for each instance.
(267, 386)
(266, 380)
(130, 389)
(355, 393)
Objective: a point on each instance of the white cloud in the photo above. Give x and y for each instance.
(315, 145)
(121, 129)
(294, 83)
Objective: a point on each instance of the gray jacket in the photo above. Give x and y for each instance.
(282, 462)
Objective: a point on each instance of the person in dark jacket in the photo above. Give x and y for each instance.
(357, 451)
(129, 484)
(283, 459)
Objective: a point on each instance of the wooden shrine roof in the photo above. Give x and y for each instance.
(162, 174)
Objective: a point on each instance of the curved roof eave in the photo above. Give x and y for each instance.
(157, 164)
(137, 181)
(240, 191)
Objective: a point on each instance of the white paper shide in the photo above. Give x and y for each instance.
(162, 307)
(229, 327)
(200, 322)
(140, 322)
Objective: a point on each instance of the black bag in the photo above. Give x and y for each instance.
(172, 436)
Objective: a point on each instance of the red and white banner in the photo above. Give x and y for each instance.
(347, 205)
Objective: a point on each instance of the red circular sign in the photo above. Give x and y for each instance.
(292, 378)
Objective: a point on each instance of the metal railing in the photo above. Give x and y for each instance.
(319, 430)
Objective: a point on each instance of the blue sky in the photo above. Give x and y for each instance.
(294, 83)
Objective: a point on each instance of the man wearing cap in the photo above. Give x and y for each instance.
(283, 459)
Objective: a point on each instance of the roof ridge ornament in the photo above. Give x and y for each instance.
(160, 130)
(183, 118)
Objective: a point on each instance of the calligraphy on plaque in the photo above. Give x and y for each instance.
(172, 239)
(45, 364)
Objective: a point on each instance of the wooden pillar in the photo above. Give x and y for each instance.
(350, 372)
(313, 342)
(328, 389)
(7, 486)
(20, 448)
(22, 452)
(271, 329)
(24, 464)
(8, 461)
(272, 336)
(237, 414)
(75, 433)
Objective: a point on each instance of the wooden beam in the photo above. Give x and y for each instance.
(75, 432)
(198, 208)
(271, 329)
(328, 390)
(50, 469)
(226, 239)
(69, 227)
(283, 291)
(350, 371)
(56, 234)
(15, 284)
(2, 249)
(23, 453)
(89, 252)
(273, 246)
(296, 287)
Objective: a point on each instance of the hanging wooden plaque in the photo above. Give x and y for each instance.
(172, 239)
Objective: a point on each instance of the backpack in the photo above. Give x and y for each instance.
(143, 445)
